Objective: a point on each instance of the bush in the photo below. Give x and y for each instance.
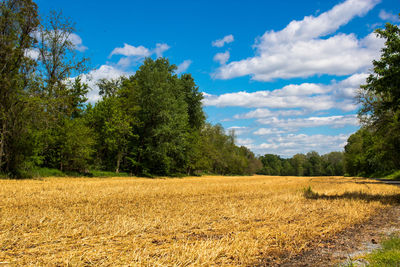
(309, 193)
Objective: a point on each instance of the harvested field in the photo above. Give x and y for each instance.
(191, 221)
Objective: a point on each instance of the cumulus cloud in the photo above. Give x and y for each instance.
(183, 66)
(291, 144)
(308, 96)
(263, 113)
(76, 40)
(302, 49)
(222, 58)
(221, 42)
(331, 121)
(387, 16)
(130, 50)
(134, 54)
(291, 96)
(269, 131)
(160, 49)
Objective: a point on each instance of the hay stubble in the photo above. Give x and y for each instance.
(191, 221)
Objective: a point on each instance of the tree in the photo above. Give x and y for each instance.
(380, 96)
(375, 148)
(298, 162)
(62, 99)
(333, 163)
(113, 121)
(162, 113)
(18, 22)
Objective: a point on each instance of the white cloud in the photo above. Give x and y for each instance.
(301, 143)
(332, 121)
(76, 40)
(384, 15)
(135, 54)
(266, 99)
(125, 62)
(222, 58)
(221, 42)
(263, 113)
(244, 142)
(299, 50)
(160, 49)
(183, 66)
(348, 87)
(269, 131)
(239, 130)
(308, 96)
(104, 72)
(32, 53)
(129, 50)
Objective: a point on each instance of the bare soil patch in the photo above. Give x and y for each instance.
(347, 245)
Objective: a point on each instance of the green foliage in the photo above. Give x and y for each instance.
(388, 255)
(18, 22)
(220, 155)
(108, 174)
(392, 176)
(374, 150)
(311, 164)
(47, 172)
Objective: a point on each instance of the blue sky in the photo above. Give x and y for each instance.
(282, 74)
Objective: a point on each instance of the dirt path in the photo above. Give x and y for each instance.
(356, 241)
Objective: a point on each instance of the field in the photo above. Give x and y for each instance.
(190, 221)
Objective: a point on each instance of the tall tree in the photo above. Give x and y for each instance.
(375, 149)
(18, 22)
(163, 118)
(63, 100)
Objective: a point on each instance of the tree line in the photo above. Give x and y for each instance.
(150, 123)
(310, 164)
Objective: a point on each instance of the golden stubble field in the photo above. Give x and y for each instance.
(190, 221)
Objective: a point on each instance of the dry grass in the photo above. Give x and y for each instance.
(191, 221)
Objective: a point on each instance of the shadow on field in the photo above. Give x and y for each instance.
(385, 199)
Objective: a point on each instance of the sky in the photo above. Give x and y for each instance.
(282, 74)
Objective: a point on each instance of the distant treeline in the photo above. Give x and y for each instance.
(310, 164)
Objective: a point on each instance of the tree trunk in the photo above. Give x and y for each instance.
(2, 141)
(119, 157)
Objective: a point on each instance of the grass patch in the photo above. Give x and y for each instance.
(108, 174)
(47, 172)
(393, 176)
(388, 255)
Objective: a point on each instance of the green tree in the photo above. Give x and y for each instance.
(113, 120)
(162, 113)
(298, 162)
(375, 148)
(18, 22)
(333, 163)
(62, 99)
